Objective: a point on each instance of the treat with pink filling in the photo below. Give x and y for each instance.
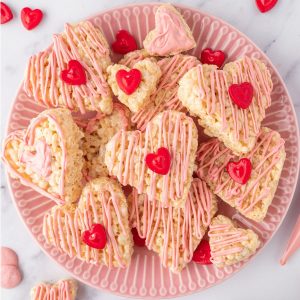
(165, 97)
(253, 198)
(61, 290)
(98, 131)
(171, 34)
(47, 156)
(102, 204)
(86, 44)
(174, 233)
(126, 153)
(230, 244)
(204, 91)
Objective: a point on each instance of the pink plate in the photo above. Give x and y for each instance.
(146, 277)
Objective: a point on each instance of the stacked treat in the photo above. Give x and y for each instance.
(143, 136)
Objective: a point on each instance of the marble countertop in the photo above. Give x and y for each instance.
(276, 32)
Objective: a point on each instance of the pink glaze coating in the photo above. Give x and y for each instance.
(198, 205)
(51, 62)
(247, 71)
(10, 276)
(9, 257)
(170, 130)
(170, 34)
(176, 64)
(208, 169)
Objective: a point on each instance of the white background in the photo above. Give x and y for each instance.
(277, 33)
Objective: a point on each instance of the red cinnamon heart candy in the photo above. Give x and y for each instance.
(129, 81)
(75, 74)
(160, 161)
(6, 14)
(31, 17)
(240, 171)
(210, 57)
(140, 242)
(241, 94)
(265, 5)
(202, 253)
(124, 42)
(95, 237)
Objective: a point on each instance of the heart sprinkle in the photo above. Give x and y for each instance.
(31, 18)
(210, 57)
(202, 253)
(240, 171)
(6, 13)
(138, 241)
(241, 94)
(129, 81)
(75, 74)
(95, 237)
(124, 42)
(159, 162)
(265, 5)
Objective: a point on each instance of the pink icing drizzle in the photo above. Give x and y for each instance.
(170, 34)
(198, 205)
(247, 71)
(135, 148)
(47, 66)
(63, 229)
(212, 150)
(60, 291)
(177, 64)
(226, 237)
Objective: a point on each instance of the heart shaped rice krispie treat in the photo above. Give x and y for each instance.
(126, 154)
(253, 198)
(171, 34)
(74, 229)
(98, 132)
(150, 74)
(61, 290)
(230, 244)
(86, 44)
(47, 156)
(174, 233)
(204, 92)
(165, 97)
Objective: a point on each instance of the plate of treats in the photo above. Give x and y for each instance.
(153, 150)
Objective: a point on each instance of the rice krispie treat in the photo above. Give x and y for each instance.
(97, 229)
(174, 233)
(47, 156)
(62, 290)
(131, 58)
(169, 144)
(253, 198)
(230, 244)
(140, 97)
(207, 93)
(165, 97)
(98, 132)
(171, 34)
(85, 44)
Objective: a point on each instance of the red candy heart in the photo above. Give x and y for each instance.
(241, 94)
(202, 253)
(95, 237)
(124, 42)
(159, 162)
(75, 74)
(31, 17)
(129, 81)
(6, 14)
(138, 241)
(240, 171)
(210, 57)
(265, 5)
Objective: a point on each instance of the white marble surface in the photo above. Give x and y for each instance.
(277, 33)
